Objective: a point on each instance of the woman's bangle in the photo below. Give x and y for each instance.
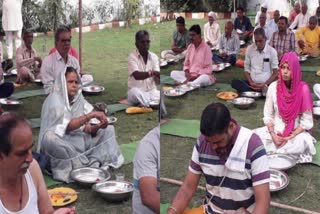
(173, 208)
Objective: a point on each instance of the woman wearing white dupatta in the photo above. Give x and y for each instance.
(67, 138)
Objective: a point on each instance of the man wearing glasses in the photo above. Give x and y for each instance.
(56, 62)
(144, 72)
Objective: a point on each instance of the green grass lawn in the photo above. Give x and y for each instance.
(105, 56)
(176, 151)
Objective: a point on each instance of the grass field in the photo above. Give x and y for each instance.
(176, 152)
(105, 56)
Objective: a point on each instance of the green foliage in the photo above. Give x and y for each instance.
(131, 10)
(104, 8)
(196, 5)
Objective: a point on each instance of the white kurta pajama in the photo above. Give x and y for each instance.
(12, 23)
(73, 149)
(142, 91)
(301, 147)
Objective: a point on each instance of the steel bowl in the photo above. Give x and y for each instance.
(187, 87)
(316, 111)
(218, 67)
(243, 102)
(88, 176)
(163, 63)
(251, 94)
(302, 58)
(38, 81)
(174, 92)
(242, 42)
(10, 102)
(278, 180)
(316, 103)
(281, 161)
(154, 104)
(112, 119)
(14, 72)
(170, 61)
(114, 191)
(93, 89)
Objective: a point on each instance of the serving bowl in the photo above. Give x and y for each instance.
(243, 102)
(278, 180)
(154, 104)
(114, 191)
(280, 161)
(88, 176)
(93, 89)
(251, 94)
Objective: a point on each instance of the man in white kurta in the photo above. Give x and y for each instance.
(211, 31)
(264, 8)
(12, 23)
(144, 72)
(302, 19)
(57, 62)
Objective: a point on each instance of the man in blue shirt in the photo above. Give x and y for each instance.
(242, 25)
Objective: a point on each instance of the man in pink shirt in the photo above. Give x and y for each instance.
(294, 13)
(197, 67)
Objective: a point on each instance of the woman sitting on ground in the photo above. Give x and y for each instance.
(288, 113)
(67, 135)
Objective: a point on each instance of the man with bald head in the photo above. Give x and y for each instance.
(211, 32)
(295, 12)
(229, 45)
(309, 38)
(301, 19)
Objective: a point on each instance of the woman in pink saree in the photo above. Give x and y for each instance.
(288, 113)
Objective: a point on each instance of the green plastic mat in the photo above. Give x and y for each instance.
(29, 93)
(181, 128)
(50, 181)
(316, 157)
(116, 107)
(34, 122)
(128, 151)
(310, 68)
(166, 80)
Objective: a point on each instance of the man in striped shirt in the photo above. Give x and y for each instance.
(283, 40)
(234, 163)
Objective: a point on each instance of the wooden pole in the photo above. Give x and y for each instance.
(274, 204)
(80, 34)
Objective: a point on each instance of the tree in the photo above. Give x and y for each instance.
(132, 10)
(105, 9)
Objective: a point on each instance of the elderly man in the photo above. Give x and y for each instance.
(146, 173)
(301, 19)
(180, 42)
(229, 45)
(57, 62)
(234, 163)
(283, 40)
(263, 9)
(273, 23)
(28, 63)
(211, 31)
(243, 24)
(260, 66)
(22, 187)
(144, 72)
(197, 68)
(309, 38)
(295, 12)
(12, 23)
(264, 25)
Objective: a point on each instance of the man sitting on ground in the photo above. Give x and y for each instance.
(266, 27)
(146, 173)
(56, 62)
(243, 23)
(197, 68)
(229, 45)
(294, 13)
(234, 163)
(309, 38)
(273, 23)
(283, 40)
(22, 187)
(144, 72)
(263, 9)
(301, 20)
(28, 63)
(180, 42)
(211, 31)
(260, 66)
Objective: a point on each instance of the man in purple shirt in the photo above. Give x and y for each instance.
(234, 163)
